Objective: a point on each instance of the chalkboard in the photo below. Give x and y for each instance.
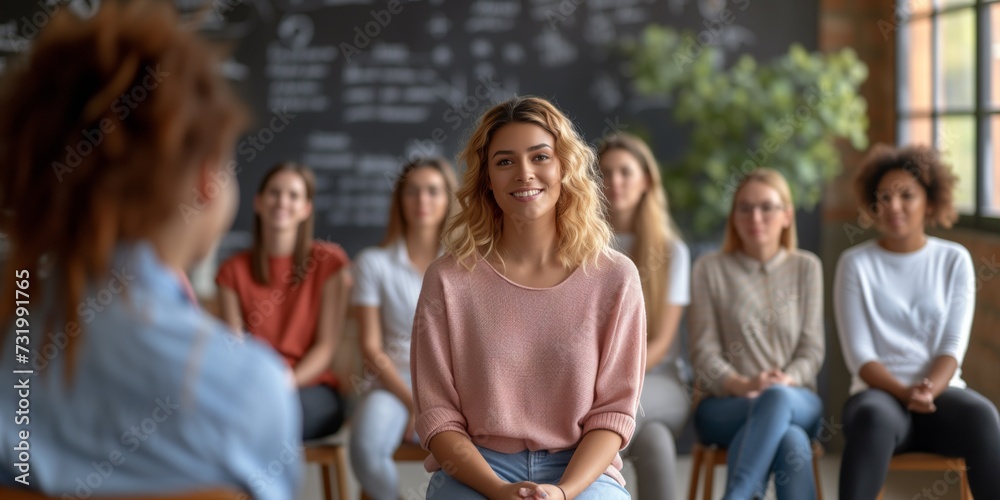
(352, 88)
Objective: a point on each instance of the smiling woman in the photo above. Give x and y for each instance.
(904, 305)
(527, 353)
(291, 292)
(477, 228)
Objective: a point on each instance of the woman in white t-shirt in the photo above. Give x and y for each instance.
(644, 231)
(388, 279)
(904, 304)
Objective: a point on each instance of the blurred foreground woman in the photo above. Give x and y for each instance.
(115, 140)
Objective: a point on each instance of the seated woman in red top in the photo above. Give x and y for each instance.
(291, 292)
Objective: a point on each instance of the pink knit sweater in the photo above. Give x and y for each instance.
(518, 368)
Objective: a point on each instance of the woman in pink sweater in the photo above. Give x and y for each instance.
(529, 337)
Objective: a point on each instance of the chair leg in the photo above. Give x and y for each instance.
(966, 491)
(709, 462)
(816, 475)
(696, 456)
(341, 466)
(325, 472)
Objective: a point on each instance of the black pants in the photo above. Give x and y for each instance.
(322, 411)
(877, 426)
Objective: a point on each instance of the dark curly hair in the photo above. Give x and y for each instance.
(100, 124)
(924, 164)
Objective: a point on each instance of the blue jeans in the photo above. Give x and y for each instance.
(540, 467)
(376, 433)
(770, 433)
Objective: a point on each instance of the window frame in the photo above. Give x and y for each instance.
(980, 111)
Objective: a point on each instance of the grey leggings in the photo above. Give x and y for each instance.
(877, 426)
(664, 408)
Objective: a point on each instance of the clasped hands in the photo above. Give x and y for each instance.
(751, 387)
(919, 398)
(530, 491)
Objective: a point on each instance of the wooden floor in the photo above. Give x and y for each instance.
(902, 485)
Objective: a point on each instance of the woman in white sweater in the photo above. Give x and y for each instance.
(904, 305)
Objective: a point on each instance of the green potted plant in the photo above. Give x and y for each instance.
(787, 114)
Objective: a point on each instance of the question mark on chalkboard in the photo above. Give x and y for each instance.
(296, 31)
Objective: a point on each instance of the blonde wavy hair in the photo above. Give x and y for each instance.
(772, 178)
(581, 223)
(654, 229)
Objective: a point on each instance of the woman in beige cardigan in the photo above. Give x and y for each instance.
(757, 344)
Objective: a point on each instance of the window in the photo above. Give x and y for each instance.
(948, 71)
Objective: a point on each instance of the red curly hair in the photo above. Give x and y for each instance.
(99, 125)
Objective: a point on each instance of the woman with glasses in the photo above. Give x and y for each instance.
(757, 343)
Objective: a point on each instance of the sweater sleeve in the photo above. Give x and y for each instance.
(958, 324)
(711, 369)
(808, 356)
(621, 366)
(436, 399)
(856, 337)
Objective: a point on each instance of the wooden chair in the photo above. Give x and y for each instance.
(407, 452)
(18, 494)
(931, 462)
(327, 454)
(708, 457)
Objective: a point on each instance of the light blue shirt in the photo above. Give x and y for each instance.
(162, 397)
